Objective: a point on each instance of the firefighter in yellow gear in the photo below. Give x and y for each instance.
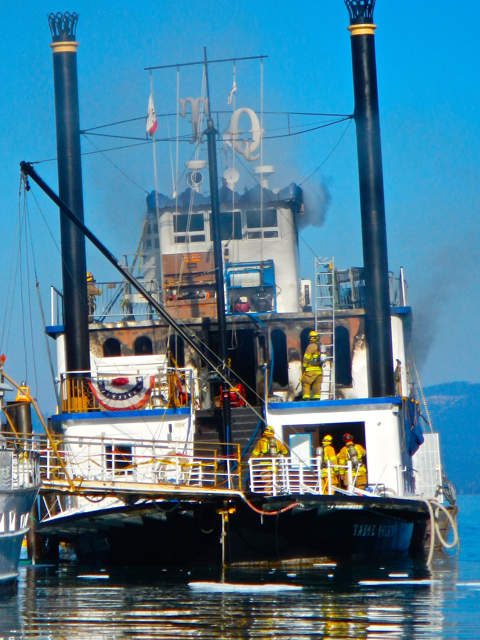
(356, 454)
(312, 369)
(268, 445)
(92, 292)
(329, 455)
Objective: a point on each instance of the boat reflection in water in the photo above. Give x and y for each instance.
(54, 602)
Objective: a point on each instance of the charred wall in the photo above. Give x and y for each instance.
(280, 341)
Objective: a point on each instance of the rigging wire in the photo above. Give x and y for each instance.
(8, 305)
(92, 153)
(282, 214)
(298, 133)
(46, 223)
(187, 138)
(420, 386)
(22, 306)
(303, 182)
(192, 195)
(102, 151)
(116, 167)
(182, 139)
(27, 262)
(262, 137)
(39, 297)
(178, 133)
(52, 236)
(13, 291)
(269, 113)
(331, 152)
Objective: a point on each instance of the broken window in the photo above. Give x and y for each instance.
(111, 348)
(188, 227)
(143, 346)
(262, 224)
(280, 358)
(231, 225)
(343, 360)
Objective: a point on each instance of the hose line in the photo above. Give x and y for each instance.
(435, 529)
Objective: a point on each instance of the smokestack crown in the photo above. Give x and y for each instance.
(63, 26)
(361, 11)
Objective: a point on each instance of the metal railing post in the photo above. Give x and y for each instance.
(228, 473)
(350, 477)
(403, 292)
(103, 458)
(274, 477)
(287, 466)
(239, 466)
(319, 473)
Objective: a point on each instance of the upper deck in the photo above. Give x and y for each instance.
(118, 303)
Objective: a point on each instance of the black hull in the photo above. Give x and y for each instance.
(326, 527)
(15, 507)
(188, 534)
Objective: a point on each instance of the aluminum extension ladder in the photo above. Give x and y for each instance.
(325, 321)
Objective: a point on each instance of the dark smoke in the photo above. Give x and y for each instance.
(447, 273)
(316, 200)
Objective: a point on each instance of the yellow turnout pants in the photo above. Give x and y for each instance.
(312, 384)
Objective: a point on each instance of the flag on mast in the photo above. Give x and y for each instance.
(151, 117)
(232, 91)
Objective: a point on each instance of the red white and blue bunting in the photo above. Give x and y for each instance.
(123, 393)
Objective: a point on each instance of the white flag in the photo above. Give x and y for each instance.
(232, 91)
(151, 118)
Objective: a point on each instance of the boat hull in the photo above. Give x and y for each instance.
(323, 526)
(15, 507)
(189, 533)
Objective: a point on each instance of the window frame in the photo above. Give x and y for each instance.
(189, 236)
(262, 231)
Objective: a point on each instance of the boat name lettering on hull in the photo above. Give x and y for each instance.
(371, 530)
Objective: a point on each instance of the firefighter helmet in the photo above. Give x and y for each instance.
(89, 276)
(327, 439)
(347, 437)
(313, 335)
(269, 430)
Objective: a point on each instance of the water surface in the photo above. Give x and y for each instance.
(69, 602)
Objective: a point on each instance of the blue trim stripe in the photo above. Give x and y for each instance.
(400, 310)
(316, 404)
(117, 415)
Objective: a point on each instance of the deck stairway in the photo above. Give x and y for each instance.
(244, 422)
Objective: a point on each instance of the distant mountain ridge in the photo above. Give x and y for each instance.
(455, 413)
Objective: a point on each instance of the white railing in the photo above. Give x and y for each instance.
(350, 289)
(19, 469)
(151, 462)
(286, 475)
(116, 300)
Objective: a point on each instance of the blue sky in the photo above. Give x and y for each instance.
(429, 95)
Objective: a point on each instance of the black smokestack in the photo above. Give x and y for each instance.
(372, 200)
(74, 266)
